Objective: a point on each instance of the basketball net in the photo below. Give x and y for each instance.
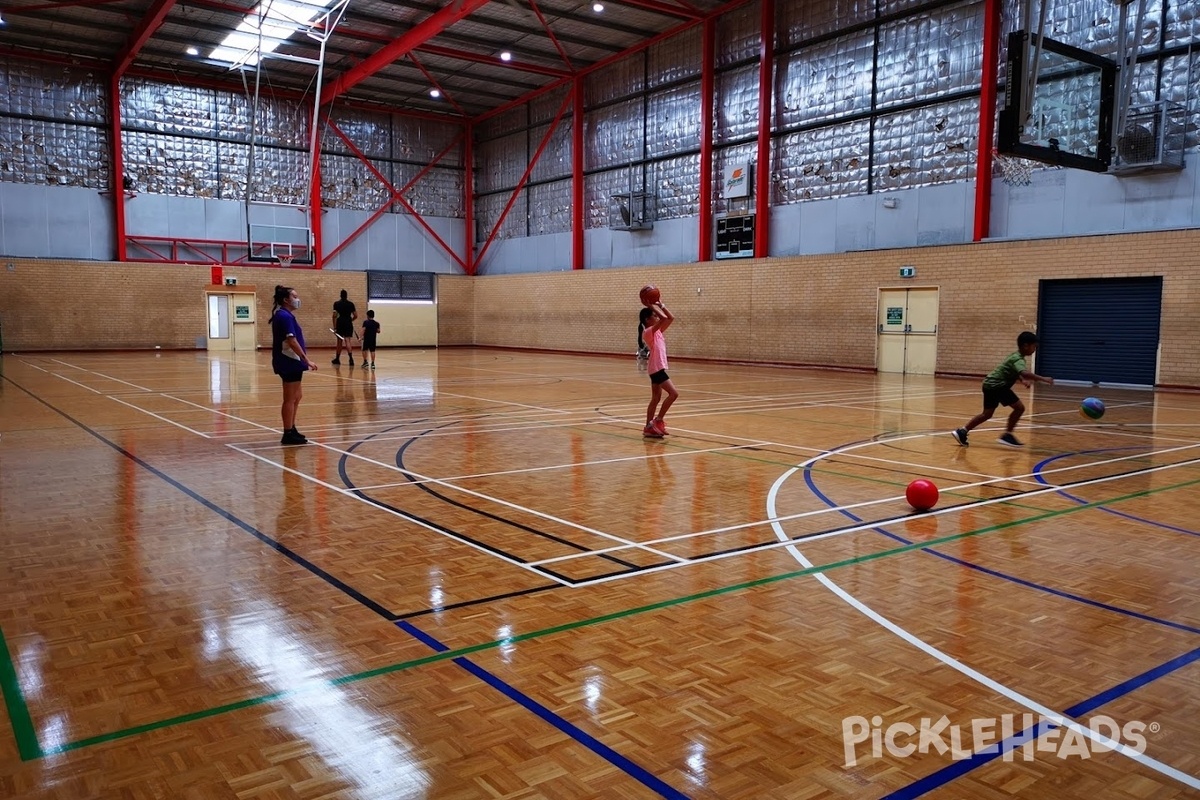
(285, 261)
(1014, 171)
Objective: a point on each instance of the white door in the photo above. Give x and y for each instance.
(217, 314)
(908, 331)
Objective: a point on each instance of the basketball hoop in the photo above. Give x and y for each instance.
(1014, 171)
(285, 261)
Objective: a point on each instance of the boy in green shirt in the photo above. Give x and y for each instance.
(997, 390)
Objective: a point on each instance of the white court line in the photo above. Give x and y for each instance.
(868, 525)
(599, 462)
(936, 512)
(957, 665)
(419, 523)
(479, 495)
(101, 374)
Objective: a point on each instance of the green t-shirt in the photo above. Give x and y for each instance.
(1005, 375)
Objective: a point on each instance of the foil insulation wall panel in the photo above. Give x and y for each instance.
(514, 119)
(930, 145)
(736, 104)
(825, 81)
(544, 107)
(930, 54)
(160, 163)
(439, 192)
(490, 207)
(677, 186)
(597, 195)
(799, 22)
(1182, 25)
(347, 183)
(555, 161)
(675, 59)
(673, 120)
(738, 34)
(822, 163)
(70, 94)
(421, 140)
(619, 79)
(65, 144)
(1181, 84)
(500, 162)
(274, 121)
(56, 153)
(163, 108)
(550, 208)
(370, 132)
(613, 134)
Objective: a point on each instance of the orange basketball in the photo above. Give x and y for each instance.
(649, 295)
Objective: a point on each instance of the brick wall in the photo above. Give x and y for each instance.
(90, 305)
(818, 310)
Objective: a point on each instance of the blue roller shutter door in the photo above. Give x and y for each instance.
(1100, 330)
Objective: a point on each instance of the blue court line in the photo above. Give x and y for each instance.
(610, 755)
(992, 752)
(1037, 474)
(808, 479)
(960, 768)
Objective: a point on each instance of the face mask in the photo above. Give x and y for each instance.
(296, 302)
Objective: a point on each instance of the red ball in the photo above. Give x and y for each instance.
(649, 295)
(921, 494)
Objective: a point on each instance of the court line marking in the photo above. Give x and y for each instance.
(420, 523)
(569, 626)
(360, 498)
(1045, 489)
(471, 492)
(955, 664)
(869, 525)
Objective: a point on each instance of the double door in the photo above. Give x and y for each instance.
(908, 331)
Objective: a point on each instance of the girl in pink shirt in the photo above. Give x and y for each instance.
(657, 319)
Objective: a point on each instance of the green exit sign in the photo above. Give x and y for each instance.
(908, 272)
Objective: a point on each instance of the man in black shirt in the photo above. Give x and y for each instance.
(344, 315)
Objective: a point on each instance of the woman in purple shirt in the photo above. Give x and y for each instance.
(288, 358)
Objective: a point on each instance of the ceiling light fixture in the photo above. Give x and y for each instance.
(597, 7)
(434, 93)
(193, 51)
(506, 56)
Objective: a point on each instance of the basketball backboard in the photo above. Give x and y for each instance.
(279, 243)
(1058, 104)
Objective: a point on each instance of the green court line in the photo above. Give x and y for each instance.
(18, 712)
(570, 626)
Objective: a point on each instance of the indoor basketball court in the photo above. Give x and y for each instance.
(479, 577)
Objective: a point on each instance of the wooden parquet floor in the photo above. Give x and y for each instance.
(478, 580)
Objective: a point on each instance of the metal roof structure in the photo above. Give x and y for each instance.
(384, 53)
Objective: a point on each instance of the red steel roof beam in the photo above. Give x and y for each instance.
(557, 45)
(416, 36)
(493, 61)
(662, 8)
(145, 29)
(441, 89)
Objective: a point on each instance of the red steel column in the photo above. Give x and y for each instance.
(987, 119)
(577, 174)
(469, 196)
(314, 199)
(707, 92)
(762, 172)
(118, 164)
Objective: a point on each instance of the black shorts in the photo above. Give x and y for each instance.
(999, 396)
(368, 346)
(345, 329)
(660, 377)
(292, 376)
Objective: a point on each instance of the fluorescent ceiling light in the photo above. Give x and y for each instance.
(434, 93)
(193, 51)
(506, 56)
(597, 7)
(280, 19)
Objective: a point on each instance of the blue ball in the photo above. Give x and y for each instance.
(1092, 408)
